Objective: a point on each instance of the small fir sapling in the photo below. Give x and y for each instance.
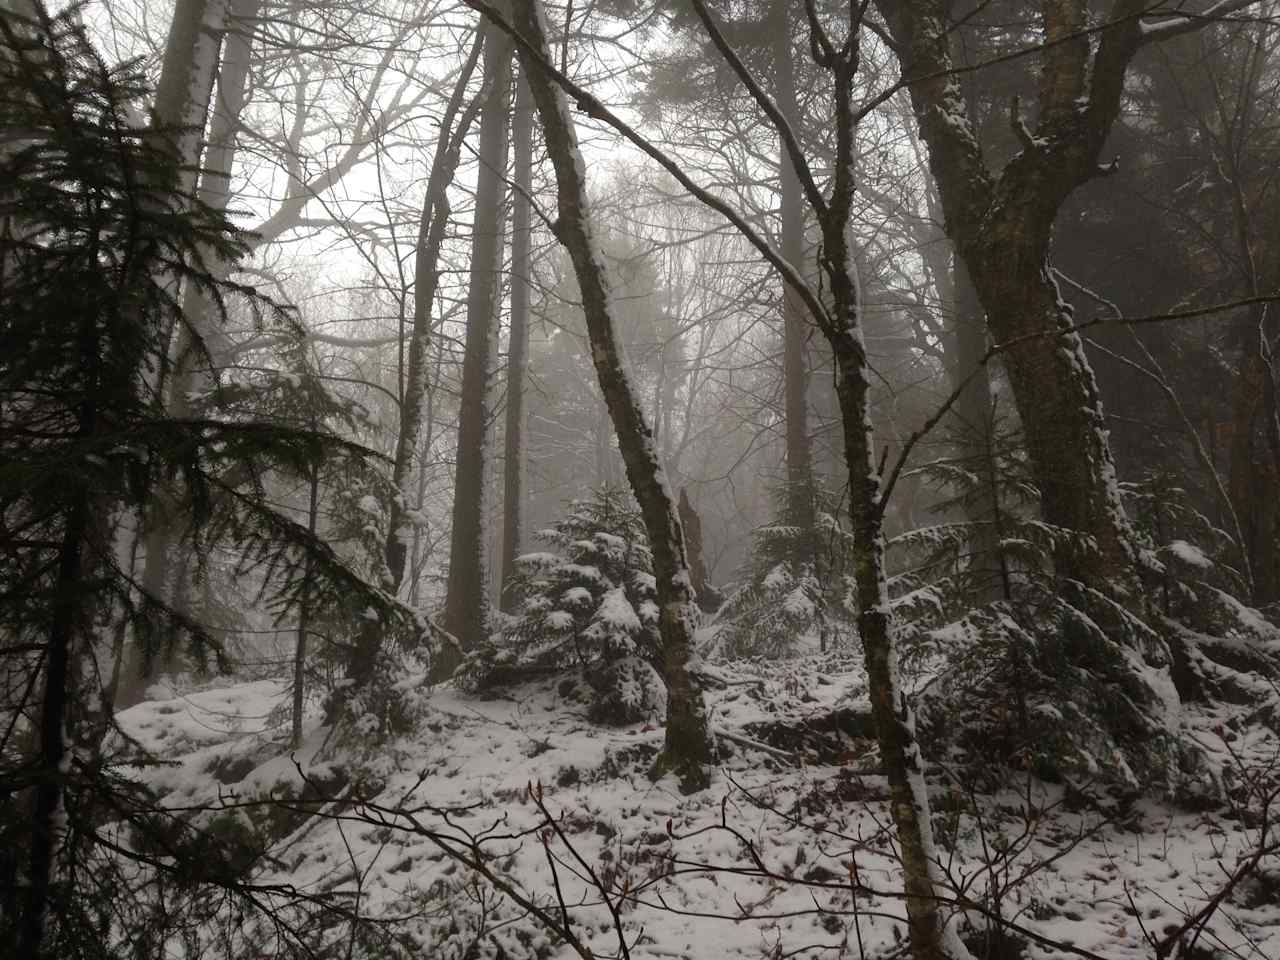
(988, 540)
(796, 583)
(1184, 544)
(588, 604)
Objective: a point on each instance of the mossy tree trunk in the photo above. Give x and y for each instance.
(930, 936)
(839, 317)
(688, 749)
(1001, 226)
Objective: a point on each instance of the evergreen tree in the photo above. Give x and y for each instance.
(97, 247)
(797, 585)
(589, 604)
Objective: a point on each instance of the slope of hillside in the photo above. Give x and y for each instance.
(499, 819)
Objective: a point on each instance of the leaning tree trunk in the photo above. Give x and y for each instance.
(426, 281)
(466, 604)
(688, 749)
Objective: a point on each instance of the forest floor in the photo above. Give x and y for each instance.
(778, 859)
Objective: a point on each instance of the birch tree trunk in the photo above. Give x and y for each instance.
(181, 108)
(215, 191)
(688, 751)
(466, 603)
(187, 75)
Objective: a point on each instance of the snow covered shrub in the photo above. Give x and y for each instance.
(1185, 545)
(589, 603)
(1043, 686)
(797, 589)
(390, 704)
(1222, 650)
(1075, 686)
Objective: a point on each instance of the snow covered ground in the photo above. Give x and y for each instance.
(777, 859)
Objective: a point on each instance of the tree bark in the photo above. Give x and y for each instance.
(56, 726)
(688, 750)
(466, 603)
(215, 191)
(180, 111)
(74, 714)
(930, 935)
(181, 106)
(426, 273)
(518, 349)
(1002, 227)
(708, 597)
(800, 501)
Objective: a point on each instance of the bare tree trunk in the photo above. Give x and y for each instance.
(931, 937)
(181, 106)
(427, 436)
(688, 750)
(466, 604)
(215, 191)
(1253, 469)
(517, 352)
(304, 614)
(426, 273)
(1061, 410)
(800, 505)
(708, 597)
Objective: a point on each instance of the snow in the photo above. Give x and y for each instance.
(559, 620)
(777, 579)
(616, 612)
(1088, 866)
(1189, 554)
(797, 604)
